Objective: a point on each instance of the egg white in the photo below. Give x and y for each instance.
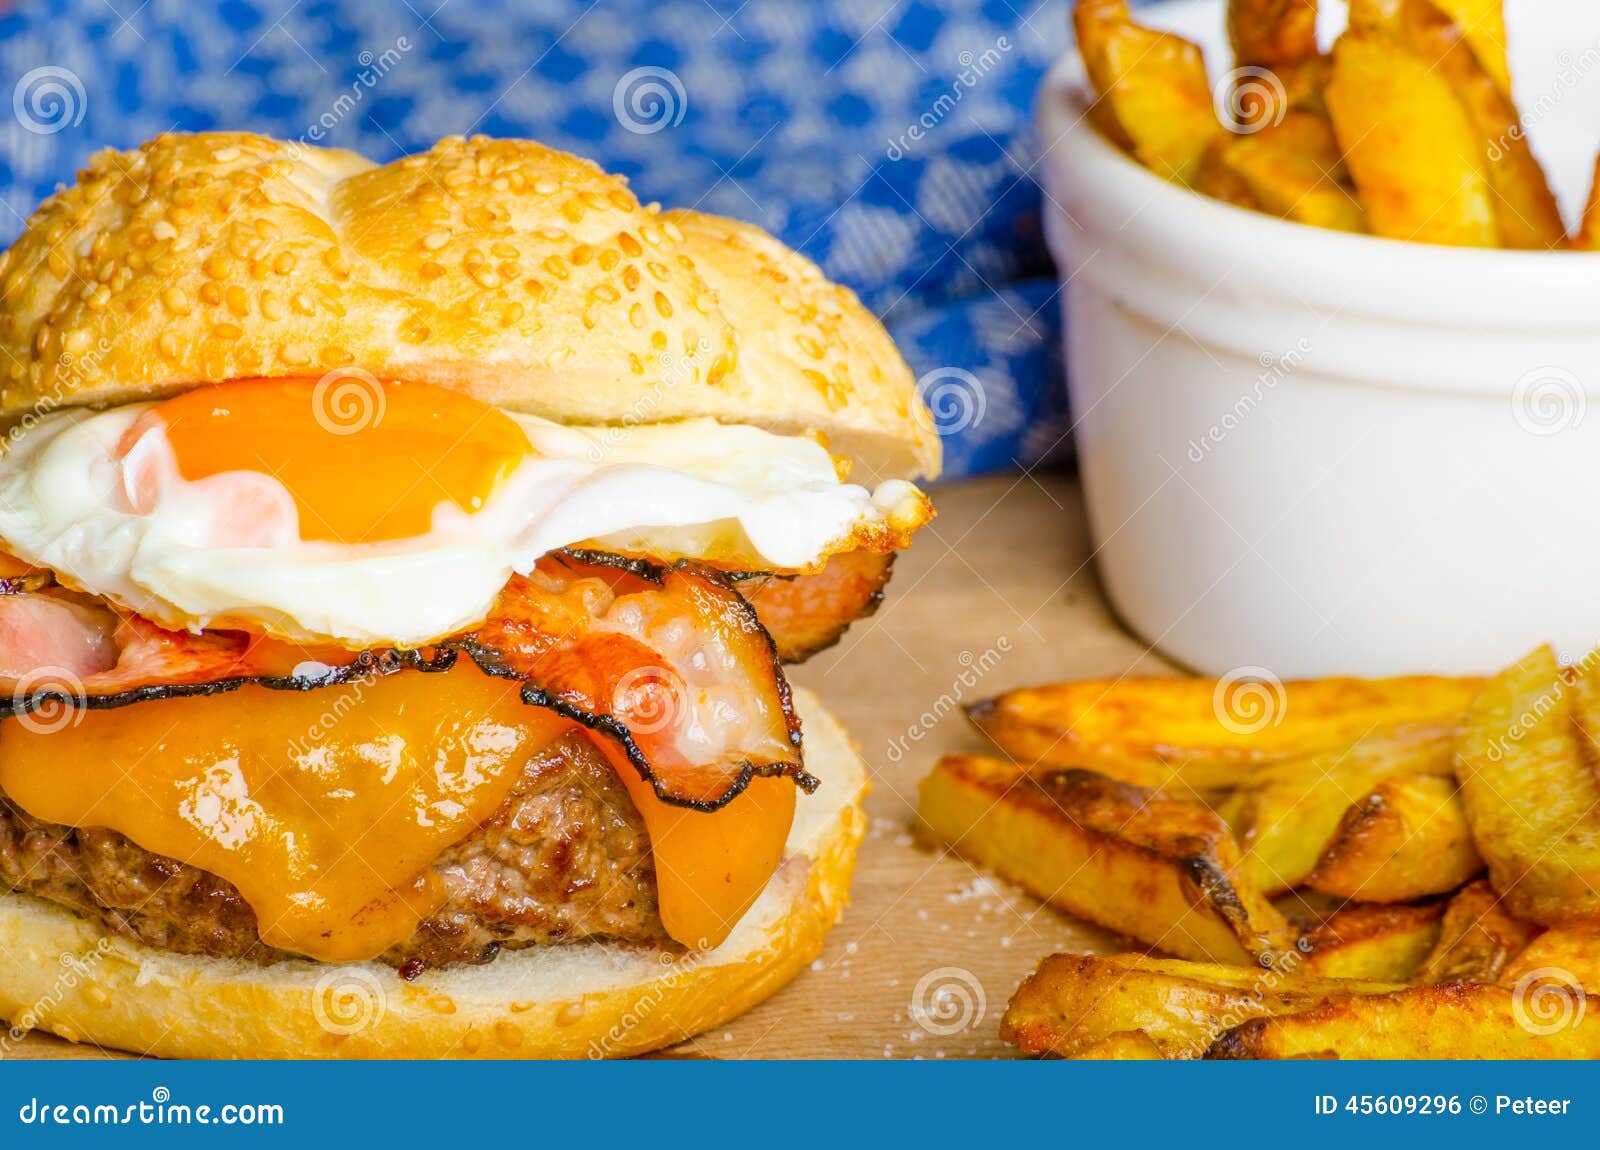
(696, 487)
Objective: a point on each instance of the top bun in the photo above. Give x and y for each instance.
(525, 276)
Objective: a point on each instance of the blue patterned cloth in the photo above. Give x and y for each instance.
(887, 139)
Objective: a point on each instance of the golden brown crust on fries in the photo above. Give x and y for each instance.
(1407, 839)
(1161, 870)
(1208, 734)
(1378, 941)
(1531, 790)
(1073, 1002)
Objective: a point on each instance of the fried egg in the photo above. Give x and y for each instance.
(367, 514)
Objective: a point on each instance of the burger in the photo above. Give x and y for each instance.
(400, 564)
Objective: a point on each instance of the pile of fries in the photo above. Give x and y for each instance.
(1397, 868)
(1406, 129)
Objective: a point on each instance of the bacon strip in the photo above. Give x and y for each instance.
(669, 663)
(805, 614)
(56, 651)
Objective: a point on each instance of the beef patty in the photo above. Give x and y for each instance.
(565, 858)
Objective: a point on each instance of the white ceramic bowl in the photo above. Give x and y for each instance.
(1317, 453)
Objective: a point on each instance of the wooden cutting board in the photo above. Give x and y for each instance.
(998, 592)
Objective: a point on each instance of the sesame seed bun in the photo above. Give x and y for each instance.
(526, 276)
(62, 974)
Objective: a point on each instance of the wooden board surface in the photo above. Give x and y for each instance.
(997, 593)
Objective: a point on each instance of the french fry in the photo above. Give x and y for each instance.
(1482, 24)
(1285, 820)
(1415, 156)
(1568, 954)
(1308, 134)
(1123, 1046)
(1206, 734)
(1526, 212)
(1460, 1020)
(1384, 943)
(1216, 179)
(1305, 85)
(1159, 869)
(1407, 839)
(1531, 790)
(1289, 185)
(1280, 37)
(1155, 99)
(1477, 939)
(1073, 1002)
(1374, 17)
(1271, 33)
(1588, 237)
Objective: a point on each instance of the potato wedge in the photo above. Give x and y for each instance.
(1477, 939)
(1308, 134)
(1154, 96)
(1123, 1046)
(1374, 17)
(1574, 951)
(1526, 212)
(1531, 789)
(1588, 237)
(1159, 869)
(1269, 33)
(1458, 1020)
(1407, 839)
(1216, 179)
(1414, 154)
(1305, 85)
(1482, 24)
(1381, 943)
(1568, 954)
(1210, 734)
(1296, 182)
(1073, 1002)
(1286, 820)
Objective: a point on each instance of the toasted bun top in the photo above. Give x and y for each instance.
(523, 275)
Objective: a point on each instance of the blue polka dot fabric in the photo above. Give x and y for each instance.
(889, 140)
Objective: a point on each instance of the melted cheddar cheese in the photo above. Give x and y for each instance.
(324, 808)
(327, 808)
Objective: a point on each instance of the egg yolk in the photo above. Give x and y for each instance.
(364, 461)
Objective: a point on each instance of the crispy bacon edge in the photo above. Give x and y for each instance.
(800, 629)
(495, 662)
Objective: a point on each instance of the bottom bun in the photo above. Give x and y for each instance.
(63, 974)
